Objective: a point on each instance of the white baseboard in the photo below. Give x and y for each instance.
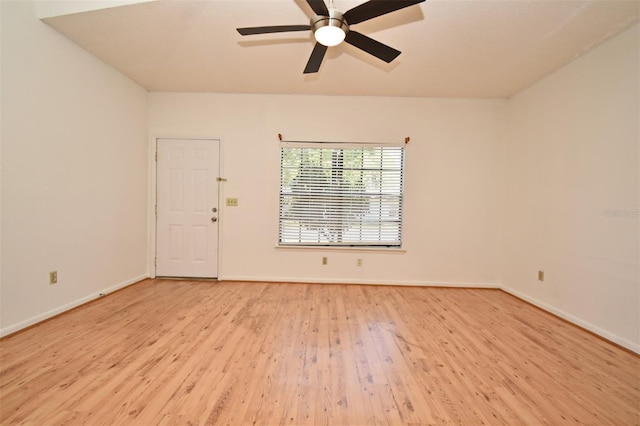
(357, 281)
(53, 312)
(575, 320)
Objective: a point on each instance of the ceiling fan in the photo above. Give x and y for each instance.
(330, 28)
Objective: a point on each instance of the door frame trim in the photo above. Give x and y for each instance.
(152, 195)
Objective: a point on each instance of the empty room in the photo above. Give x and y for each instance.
(304, 212)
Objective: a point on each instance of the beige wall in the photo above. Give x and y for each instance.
(74, 173)
(454, 193)
(572, 191)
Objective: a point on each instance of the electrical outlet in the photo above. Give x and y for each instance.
(358, 262)
(232, 202)
(324, 260)
(53, 277)
(540, 275)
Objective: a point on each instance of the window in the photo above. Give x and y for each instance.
(341, 195)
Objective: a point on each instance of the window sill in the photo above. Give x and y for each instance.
(345, 249)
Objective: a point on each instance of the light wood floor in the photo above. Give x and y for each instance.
(181, 352)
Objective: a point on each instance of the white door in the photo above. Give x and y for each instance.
(187, 208)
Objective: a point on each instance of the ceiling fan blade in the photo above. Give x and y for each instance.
(273, 29)
(319, 7)
(316, 59)
(369, 45)
(374, 8)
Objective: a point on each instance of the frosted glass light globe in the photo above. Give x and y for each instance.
(329, 36)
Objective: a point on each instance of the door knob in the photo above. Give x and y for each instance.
(214, 219)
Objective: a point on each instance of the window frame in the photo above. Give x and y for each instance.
(382, 245)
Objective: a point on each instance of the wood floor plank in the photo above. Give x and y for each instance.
(166, 352)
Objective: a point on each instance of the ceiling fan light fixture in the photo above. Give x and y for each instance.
(329, 30)
(329, 36)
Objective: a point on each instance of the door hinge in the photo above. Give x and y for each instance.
(156, 208)
(221, 179)
(156, 156)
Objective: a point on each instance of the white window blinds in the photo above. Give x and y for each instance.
(341, 196)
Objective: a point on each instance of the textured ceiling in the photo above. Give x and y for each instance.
(489, 49)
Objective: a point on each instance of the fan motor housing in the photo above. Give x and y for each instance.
(335, 19)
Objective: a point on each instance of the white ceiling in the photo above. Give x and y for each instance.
(450, 48)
